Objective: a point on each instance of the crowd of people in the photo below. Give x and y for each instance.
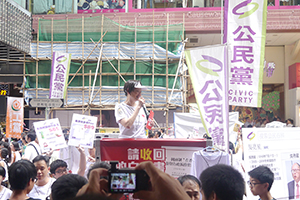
(73, 173)
(27, 173)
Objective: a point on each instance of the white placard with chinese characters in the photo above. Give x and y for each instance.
(82, 130)
(179, 160)
(276, 148)
(49, 134)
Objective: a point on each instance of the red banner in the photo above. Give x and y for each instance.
(131, 152)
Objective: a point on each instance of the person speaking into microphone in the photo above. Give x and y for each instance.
(130, 115)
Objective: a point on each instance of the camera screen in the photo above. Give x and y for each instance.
(123, 182)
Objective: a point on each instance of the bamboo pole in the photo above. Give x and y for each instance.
(112, 66)
(36, 62)
(167, 74)
(67, 50)
(101, 64)
(153, 46)
(119, 66)
(84, 61)
(82, 40)
(51, 37)
(135, 35)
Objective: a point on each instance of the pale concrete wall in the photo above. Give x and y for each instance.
(276, 55)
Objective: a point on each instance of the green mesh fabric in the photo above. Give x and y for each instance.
(142, 69)
(90, 28)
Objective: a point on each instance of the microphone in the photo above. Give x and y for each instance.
(146, 111)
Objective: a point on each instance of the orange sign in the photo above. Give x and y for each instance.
(14, 117)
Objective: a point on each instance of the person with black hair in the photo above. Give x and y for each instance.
(67, 186)
(130, 115)
(260, 183)
(222, 182)
(22, 175)
(42, 187)
(157, 134)
(5, 193)
(15, 152)
(58, 168)
(191, 185)
(4, 162)
(33, 149)
(96, 165)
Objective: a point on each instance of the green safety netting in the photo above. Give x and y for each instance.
(142, 69)
(79, 30)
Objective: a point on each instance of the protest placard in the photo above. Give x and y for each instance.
(82, 130)
(49, 134)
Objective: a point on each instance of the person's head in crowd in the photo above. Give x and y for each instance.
(191, 185)
(249, 126)
(96, 165)
(15, 146)
(2, 174)
(157, 134)
(58, 168)
(66, 131)
(67, 186)
(261, 180)
(222, 182)
(5, 155)
(30, 136)
(21, 176)
(289, 122)
(23, 138)
(296, 172)
(151, 135)
(41, 164)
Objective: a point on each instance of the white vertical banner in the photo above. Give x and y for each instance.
(208, 72)
(59, 75)
(245, 34)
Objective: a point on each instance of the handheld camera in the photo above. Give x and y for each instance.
(127, 181)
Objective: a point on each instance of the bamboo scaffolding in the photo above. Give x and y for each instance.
(155, 104)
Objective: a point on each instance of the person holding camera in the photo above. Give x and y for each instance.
(163, 186)
(130, 114)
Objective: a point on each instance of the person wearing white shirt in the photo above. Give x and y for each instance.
(130, 115)
(33, 149)
(5, 193)
(42, 187)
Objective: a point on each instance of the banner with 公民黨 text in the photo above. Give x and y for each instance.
(279, 150)
(208, 71)
(50, 135)
(14, 117)
(59, 75)
(245, 35)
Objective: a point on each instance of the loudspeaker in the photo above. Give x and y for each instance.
(3, 106)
